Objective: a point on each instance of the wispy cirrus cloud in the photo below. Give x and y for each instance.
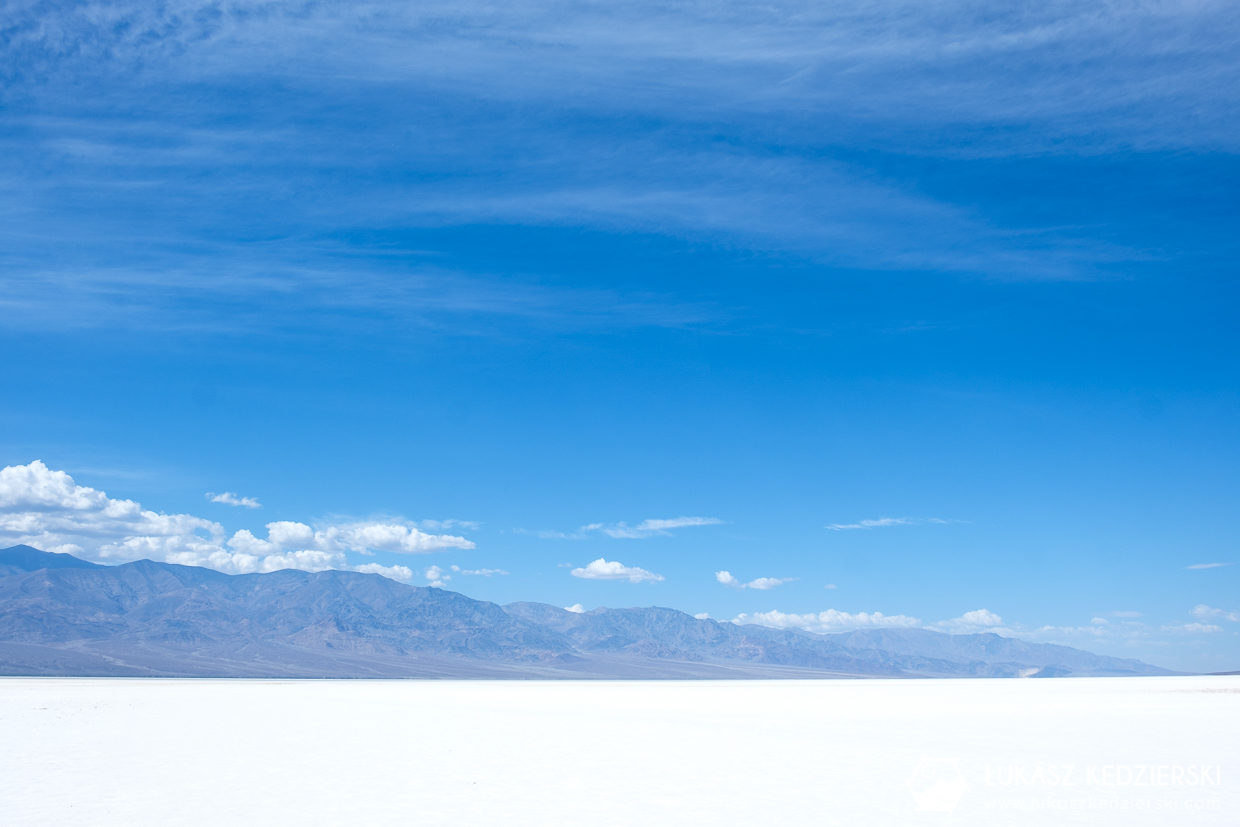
(448, 525)
(884, 522)
(760, 583)
(649, 528)
(1193, 629)
(891, 77)
(1207, 565)
(229, 498)
(601, 569)
(623, 531)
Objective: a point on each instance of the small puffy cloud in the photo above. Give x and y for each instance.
(400, 573)
(1204, 612)
(828, 622)
(829, 586)
(1099, 621)
(979, 620)
(482, 572)
(764, 583)
(702, 616)
(1193, 629)
(576, 608)
(883, 522)
(229, 498)
(600, 569)
(436, 577)
(1207, 565)
(761, 583)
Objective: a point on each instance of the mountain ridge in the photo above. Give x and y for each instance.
(165, 619)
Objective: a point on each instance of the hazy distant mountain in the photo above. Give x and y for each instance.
(63, 616)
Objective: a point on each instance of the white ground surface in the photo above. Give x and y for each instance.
(198, 752)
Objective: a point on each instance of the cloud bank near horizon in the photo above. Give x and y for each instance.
(48, 510)
(828, 622)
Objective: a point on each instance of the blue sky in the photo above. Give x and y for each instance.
(962, 276)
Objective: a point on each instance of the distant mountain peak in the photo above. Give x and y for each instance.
(26, 558)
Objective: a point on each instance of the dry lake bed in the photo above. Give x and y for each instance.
(1124, 751)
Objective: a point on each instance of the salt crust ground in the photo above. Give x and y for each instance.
(847, 752)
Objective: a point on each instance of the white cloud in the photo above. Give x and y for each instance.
(648, 528)
(828, 622)
(361, 537)
(229, 498)
(761, 583)
(402, 573)
(1193, 629)
(552, 535)
(436, 577)
(624, 531)
(1207, 565)
(676, 522)
(444, 525)
(393, 537)
(764, 583)
(883, 522)
(702, 616)
(48, 510)
(1204, 612)
(482, 572)
(1123, 628)
(600, 569)
(829, 586)
(978, 620)
(576, 608)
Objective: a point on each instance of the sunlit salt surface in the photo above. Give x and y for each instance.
(200, 752)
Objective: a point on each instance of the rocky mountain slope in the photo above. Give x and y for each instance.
(63, 616)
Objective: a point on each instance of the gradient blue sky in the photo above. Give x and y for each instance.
(540, 266)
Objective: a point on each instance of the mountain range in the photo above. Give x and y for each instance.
(60, 615)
